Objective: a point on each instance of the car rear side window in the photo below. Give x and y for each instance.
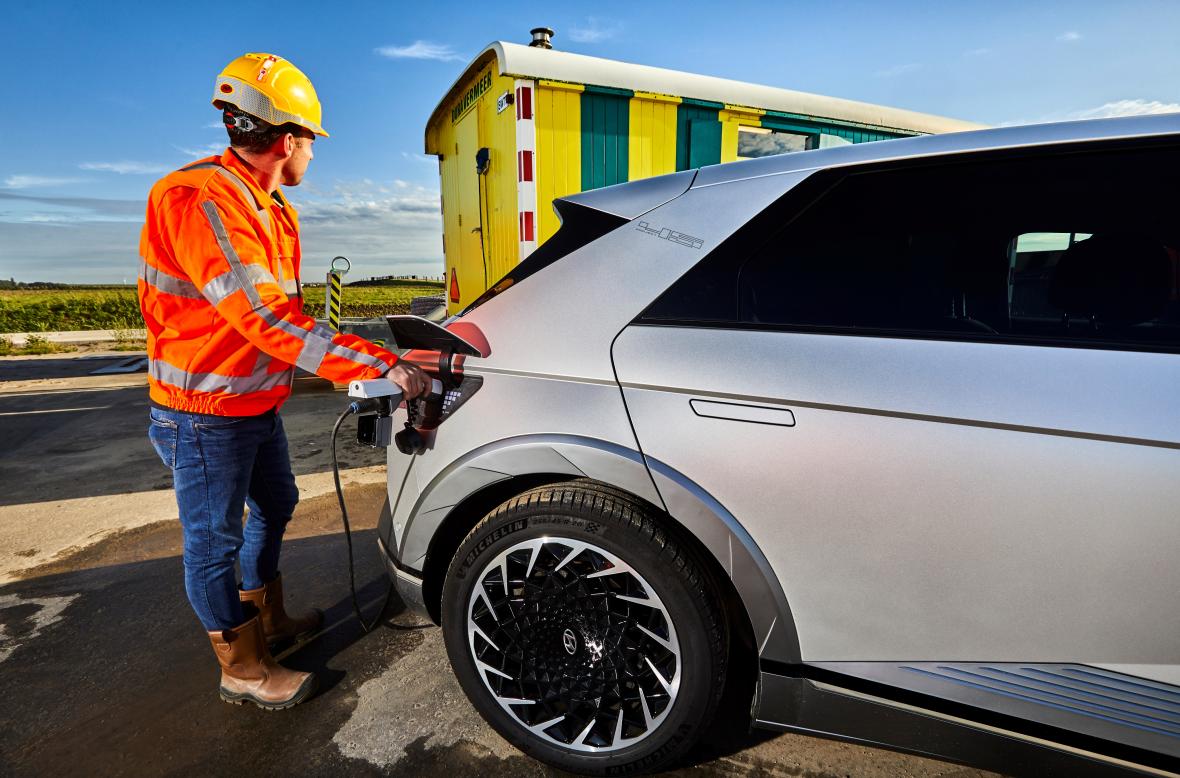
(1069, 248)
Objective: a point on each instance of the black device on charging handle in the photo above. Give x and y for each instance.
(375, 402)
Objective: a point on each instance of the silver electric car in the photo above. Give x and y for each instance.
(889, 433)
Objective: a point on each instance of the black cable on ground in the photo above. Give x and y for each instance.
(367, 626)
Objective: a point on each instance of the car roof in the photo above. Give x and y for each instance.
(1026, 136)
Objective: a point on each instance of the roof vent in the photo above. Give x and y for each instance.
(541, 37)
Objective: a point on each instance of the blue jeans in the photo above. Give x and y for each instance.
(219, 465)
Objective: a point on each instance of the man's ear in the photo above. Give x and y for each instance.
(284, 145)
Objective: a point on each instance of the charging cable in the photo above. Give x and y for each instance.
(359, 406)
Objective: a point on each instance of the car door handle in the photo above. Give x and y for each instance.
(755, 414)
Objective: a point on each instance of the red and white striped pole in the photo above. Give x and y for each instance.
(526, 165)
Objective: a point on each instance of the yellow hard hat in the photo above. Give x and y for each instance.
(270, 88)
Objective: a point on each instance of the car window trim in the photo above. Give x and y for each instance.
(900, 334)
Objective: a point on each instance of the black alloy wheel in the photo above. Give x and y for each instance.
(583, 633)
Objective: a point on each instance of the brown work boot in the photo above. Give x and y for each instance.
(250, 674)
(276, 624)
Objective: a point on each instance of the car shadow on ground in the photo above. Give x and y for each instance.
(108, 668)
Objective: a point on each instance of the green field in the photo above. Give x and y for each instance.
(116, 308)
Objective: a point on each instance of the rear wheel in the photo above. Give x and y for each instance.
(583, 633)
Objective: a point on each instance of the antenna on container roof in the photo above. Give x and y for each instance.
(541, 37)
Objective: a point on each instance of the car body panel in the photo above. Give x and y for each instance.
(979, 485)
(460, 455)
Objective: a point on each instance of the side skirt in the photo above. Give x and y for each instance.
(816, 701)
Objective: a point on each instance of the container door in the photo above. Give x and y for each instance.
(472, 269)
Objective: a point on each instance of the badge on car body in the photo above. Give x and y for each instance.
(673, 235)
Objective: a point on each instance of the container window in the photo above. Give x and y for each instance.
(764, 142)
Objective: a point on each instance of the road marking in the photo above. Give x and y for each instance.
(71, 390)
(48, 614)
(56, 410)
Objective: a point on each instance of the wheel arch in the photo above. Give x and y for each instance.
(511, 467)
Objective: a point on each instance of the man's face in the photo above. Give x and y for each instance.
(296, 164)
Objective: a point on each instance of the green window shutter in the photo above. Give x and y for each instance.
(706, 144)
(606, 126)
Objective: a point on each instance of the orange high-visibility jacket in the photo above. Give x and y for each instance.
(219, 291)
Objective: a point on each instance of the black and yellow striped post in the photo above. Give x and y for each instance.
(333, 290)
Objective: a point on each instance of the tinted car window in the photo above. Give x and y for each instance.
(1074, 249)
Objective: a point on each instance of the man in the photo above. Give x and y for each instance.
(219, 291)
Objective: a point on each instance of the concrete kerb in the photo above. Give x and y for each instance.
(19, 339)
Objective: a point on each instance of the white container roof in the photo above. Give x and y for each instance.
(532, 62)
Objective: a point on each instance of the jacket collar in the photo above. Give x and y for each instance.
(234, 163)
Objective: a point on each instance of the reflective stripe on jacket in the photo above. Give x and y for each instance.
(219, 291)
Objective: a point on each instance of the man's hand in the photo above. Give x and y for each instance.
(413, 381)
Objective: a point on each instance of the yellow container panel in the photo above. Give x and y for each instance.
(558, 117)
(448, 170)
(653, 136)
(480, 238)
(731, 119)
(473, 275)
(501, 222)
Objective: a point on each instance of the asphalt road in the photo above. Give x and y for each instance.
(104, 670)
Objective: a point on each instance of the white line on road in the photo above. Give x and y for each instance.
(142, 382)
(57, 410)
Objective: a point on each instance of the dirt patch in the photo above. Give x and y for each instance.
(158, 540)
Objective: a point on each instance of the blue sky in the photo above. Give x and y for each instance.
(103, 98)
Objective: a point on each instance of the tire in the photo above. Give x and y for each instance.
(622, 671)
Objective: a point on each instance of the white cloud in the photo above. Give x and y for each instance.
(595, 31)
(24, 181)
(126, 167)
(105, 252)
(977, 52)
(420, 50)
(19, 208)
(1069, 36)
(1126, 108)
(206, 150)
(213, 126)
(898, 70)
(384, 228)
(1113, 109)
(73, 240)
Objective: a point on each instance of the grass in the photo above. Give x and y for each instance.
(35, 344)
(126, 340)
(116, 308)
(50, 310)
(369, 301)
